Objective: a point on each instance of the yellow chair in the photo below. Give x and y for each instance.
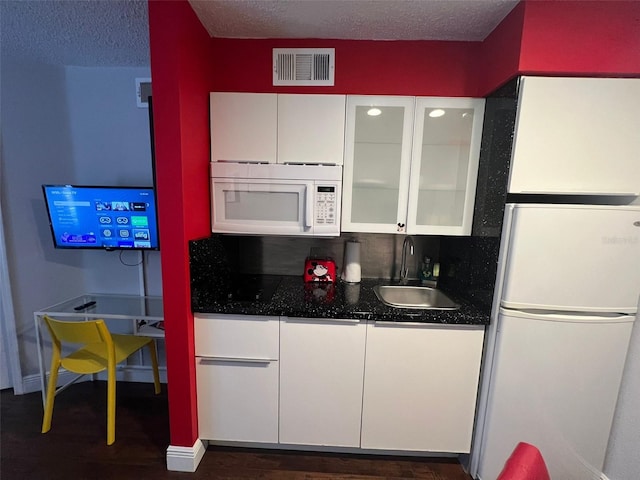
(101, 351)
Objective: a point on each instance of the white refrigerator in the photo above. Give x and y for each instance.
(566, 299)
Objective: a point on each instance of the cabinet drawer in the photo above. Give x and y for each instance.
(248, 337)
(237, 401)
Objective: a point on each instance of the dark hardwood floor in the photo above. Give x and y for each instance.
(76, 449)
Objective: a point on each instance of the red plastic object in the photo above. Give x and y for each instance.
(525, 463)
(319, 269)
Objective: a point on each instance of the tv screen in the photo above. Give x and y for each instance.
(102, 217)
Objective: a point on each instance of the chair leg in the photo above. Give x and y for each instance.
(51, 394)
(154, 364)
(111, 406)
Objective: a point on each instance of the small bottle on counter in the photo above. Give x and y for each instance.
(425, 273)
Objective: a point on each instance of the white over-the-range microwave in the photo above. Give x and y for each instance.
(275, 199)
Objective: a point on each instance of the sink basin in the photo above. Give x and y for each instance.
(402, 296)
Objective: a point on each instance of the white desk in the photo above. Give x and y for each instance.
(146, 314)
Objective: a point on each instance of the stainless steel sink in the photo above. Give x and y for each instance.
(402, 296)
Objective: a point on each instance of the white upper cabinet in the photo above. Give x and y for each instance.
(244, 127)
(411, 175)
(277, 128)
(311, 128)
(577, 136)
(377, 164)
(444, 165)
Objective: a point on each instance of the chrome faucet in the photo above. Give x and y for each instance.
(404, 270)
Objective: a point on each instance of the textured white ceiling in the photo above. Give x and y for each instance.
(464, 20)
(76, 32)
(116, 32)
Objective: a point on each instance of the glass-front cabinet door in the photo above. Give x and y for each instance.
(377, 163)
(444, 165)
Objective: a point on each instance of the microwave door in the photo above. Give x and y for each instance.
(261, 207)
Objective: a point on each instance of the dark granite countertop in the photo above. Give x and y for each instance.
(294, 298)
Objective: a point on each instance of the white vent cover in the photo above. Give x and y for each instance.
(304, 66)
(143, 92)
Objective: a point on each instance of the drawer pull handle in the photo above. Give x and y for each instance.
(322, 320)
(439, 326)
(238, 359)
(402, 323)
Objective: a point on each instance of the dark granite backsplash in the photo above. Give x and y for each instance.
(215, 261)
(209, 265)
(468, 265)
(276, 255)
(495, 157)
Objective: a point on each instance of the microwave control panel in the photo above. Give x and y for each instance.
(326, 205)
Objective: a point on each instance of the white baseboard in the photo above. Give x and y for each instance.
(185, 459)
(128, 373)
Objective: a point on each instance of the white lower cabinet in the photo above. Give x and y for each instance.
(337, 382)
(420, 386)
(237, 377)
(237, 400)
(321, 375)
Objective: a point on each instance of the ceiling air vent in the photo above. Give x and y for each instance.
(304, 66)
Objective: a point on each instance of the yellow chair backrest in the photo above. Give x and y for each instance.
(91, 331)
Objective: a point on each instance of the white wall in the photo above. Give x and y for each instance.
(111, 146)
(66, 125)
(36, 149)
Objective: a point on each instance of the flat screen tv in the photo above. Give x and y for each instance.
(106, 218)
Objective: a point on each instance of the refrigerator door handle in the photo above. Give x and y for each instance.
(539, 307)
(567, 316)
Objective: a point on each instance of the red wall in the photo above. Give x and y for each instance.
(553, 37)
(362, 67)
(181, 74)
(549, 37)
(589, 38)
(499, 54)
(537, 37)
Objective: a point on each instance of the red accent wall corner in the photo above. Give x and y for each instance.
(575, 37)
(181, 73)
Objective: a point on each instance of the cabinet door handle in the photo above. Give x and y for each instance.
(439, 326)
(236, 359)
(322, 320)
(400, 323)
